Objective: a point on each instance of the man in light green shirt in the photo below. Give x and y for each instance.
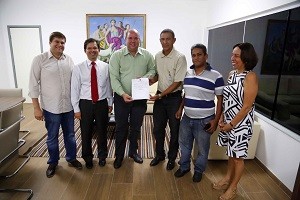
(129, 63)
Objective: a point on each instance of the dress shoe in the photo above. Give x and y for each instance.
(136, 157)
(118, 163)
(156, 160)
(181, 173)
(89, 164)
(51, 170)
(102, 162)
(75, 163)
(197, 177)
(170, 164)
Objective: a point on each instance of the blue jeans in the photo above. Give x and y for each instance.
(189, 130)
(53, 123)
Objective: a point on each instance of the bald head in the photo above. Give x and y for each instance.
(133, 41)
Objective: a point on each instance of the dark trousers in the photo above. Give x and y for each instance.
(128, 115)
(164, 111)
(93, 114)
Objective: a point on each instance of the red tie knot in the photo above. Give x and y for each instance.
(93, 63)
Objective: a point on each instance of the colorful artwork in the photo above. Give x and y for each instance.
(111, 31)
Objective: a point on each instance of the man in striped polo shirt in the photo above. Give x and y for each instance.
(201, 115)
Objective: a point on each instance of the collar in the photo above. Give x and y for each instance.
(208, 67)
(126, 52)
(50, 55)
(169, 55)
(89, 62)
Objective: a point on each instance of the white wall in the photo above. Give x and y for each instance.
(69, 17)
(278, 148)
(230, 11)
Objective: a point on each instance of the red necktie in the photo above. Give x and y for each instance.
(94, 85)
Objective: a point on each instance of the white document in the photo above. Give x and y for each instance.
(140, 88)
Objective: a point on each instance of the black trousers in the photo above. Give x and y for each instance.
(93, 114)
(128, 115)
(164, 111)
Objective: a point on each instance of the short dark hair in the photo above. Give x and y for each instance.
(199, 46)
(248, 55)
(167, 30)
(57, 34)
(90, 40)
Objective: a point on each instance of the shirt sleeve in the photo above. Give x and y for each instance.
(181, 69)
(151, 67)
(219, 85)
(114, 72)
(75, 88)
(35, 78)
(109, 91)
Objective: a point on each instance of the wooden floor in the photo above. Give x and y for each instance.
(132, 181)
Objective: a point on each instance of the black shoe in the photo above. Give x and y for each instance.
(51, 170)
(89, 164)
(118, 163)
(181, 173)
(75, 163)
(156, 160)
(170, 165)
(137, 158)
(197, 177)
(102, 162)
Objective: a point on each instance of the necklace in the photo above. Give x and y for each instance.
(200, 73)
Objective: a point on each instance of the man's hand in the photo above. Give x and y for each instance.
(154, 97)
(110, 108)
(77, 115)
(178, 114)
(127, 98)
(213, 126)
(153, 80)
(38, 114)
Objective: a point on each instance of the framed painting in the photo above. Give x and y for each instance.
(282, 42)
(111, 31)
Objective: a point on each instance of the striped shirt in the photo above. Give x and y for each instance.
(200, 91)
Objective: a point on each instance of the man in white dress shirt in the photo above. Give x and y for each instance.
(50, 79)
(91, 111)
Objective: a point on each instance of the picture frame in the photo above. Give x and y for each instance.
(111, 31)
(278, 38)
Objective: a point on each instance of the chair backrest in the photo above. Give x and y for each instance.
(8, 142)
(10, 116)
(13, 92)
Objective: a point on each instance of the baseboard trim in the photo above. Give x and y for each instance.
(276, 180)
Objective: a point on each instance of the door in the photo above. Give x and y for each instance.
(25, 44)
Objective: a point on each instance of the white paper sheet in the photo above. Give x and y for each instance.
(140, 88)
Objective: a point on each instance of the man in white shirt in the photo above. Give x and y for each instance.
(90, 109)
(50, 79)
(171, 68)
